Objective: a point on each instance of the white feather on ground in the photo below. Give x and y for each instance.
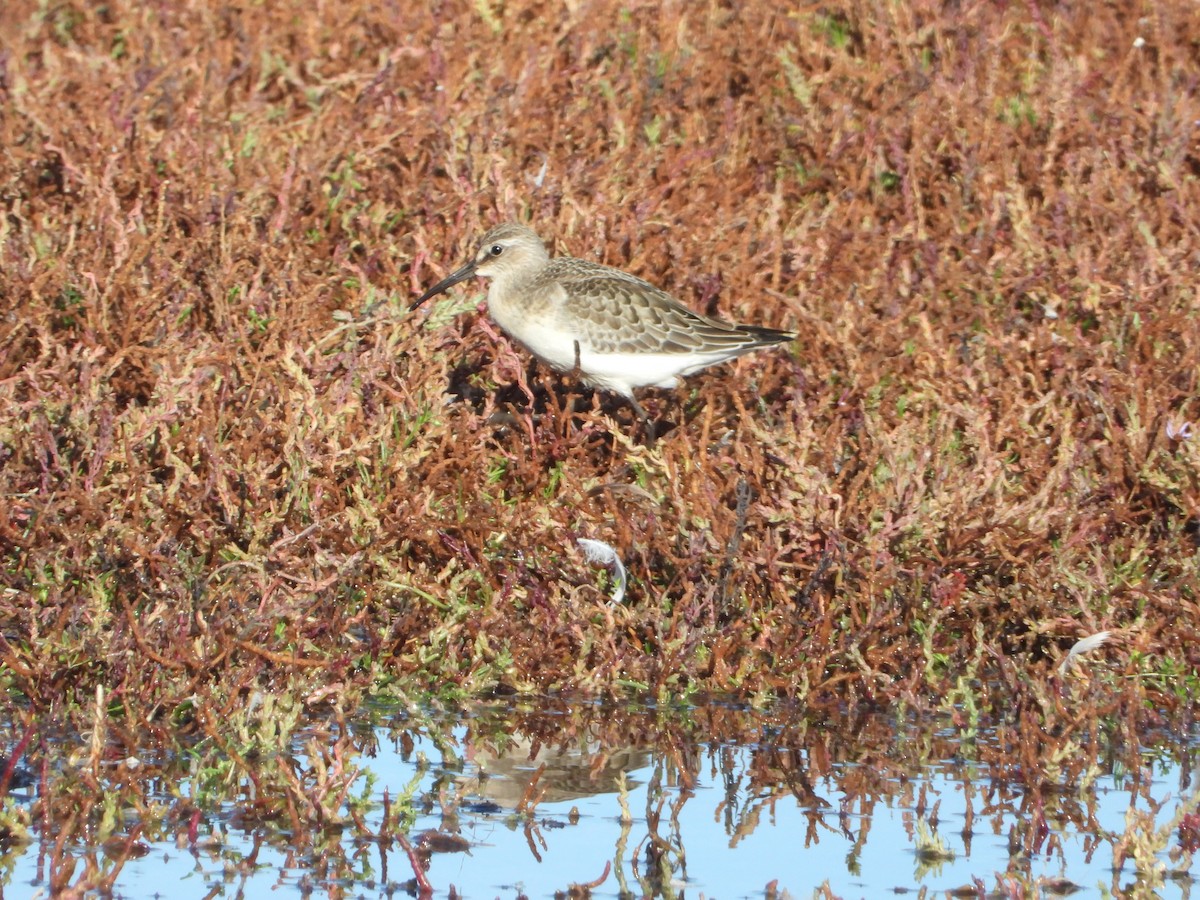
(603, 554)
(1081, 646)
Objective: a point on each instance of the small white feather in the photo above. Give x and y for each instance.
(1084, 645)
(603, 554)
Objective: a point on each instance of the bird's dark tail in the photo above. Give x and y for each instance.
(764, 336)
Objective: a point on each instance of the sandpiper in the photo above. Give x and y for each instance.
(615, 330)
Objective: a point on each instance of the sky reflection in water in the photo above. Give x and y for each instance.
(774, 814)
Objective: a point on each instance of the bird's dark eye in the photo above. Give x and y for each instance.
(496, 250)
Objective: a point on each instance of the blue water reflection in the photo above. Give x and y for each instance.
(495, 813)
(730, 842)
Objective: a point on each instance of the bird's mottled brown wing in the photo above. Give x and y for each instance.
(616, 312)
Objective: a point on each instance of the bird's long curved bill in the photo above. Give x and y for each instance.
(446, 283)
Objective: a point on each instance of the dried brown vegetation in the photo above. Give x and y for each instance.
(230, 459)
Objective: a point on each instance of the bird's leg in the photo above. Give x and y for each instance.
(647, 424)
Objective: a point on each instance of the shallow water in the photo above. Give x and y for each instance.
(640, 802)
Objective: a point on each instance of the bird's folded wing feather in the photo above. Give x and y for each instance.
(619, 313)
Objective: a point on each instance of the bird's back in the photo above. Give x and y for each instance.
(615, 312)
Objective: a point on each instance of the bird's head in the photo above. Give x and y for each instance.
(505, 250)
